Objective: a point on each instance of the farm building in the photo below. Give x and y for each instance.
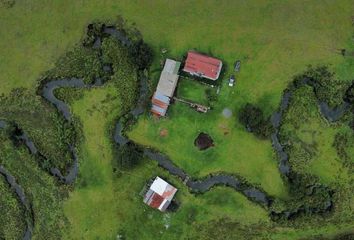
(165, 88)
(160, 194)
(202, 66)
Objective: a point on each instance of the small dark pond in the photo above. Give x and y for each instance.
(203, 141)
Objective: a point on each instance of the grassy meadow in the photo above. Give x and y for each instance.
(274, 41)
(105, 204)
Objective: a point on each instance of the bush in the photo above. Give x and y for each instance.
(141, 54)
(45, 126)
(125, 72)
(210, 95)
(12, 221)
(349, 94)
(308, 197)
(253, 119)
(93, 30)
(128, 156)
(80, 62)
(326, 87)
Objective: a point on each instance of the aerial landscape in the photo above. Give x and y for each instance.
(181, 119)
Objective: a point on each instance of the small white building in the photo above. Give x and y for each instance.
(160, 194)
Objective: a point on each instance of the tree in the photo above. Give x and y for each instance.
(253, 119)
(129, 155)
(326, 87)
(141, 54)
(349, 94)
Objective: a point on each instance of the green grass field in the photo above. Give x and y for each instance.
(104, 205)
(274, 40)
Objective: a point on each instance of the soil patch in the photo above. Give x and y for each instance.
(163, 132)
(203, 141)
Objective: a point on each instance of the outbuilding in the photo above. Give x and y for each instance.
(165, 88)
(160, 194)
(201, 65)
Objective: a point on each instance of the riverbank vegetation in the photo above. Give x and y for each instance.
(12, 222)
(273, 46)
(43, 124)
(253, 119)
(41, 190)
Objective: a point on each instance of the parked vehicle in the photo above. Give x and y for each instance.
(232, 81)
(237, 65)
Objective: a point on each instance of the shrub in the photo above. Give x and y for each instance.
(45, 126)
(141, 54)
(125, 72)
(308, 197)
(210, 95)
(326, 87)
(252, 118)
(128, 156)
(80, 62)
(349, 94)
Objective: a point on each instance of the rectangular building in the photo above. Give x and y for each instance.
(165, 88)
(160, 194)
(202, 66)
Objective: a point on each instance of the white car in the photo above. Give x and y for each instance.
(232, 81)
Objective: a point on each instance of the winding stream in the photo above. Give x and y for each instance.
(331, 115)
(19, 191)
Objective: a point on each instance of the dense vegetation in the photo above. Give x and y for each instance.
(40, 188)
(12, 222)
(326, 86)
(316, 183)
(128, 156)
(253, 119)
(47, 128)
(52, 134)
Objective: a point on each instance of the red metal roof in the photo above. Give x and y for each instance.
(156, 200)
(159, 103)
(205, 66)
(169, 191)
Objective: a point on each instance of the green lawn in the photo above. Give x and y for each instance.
(236, 152)
(91, 207)
(274, 39)
(104, 205)
(191, 90)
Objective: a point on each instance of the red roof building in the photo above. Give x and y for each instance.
(160, 194)
(203, 66)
